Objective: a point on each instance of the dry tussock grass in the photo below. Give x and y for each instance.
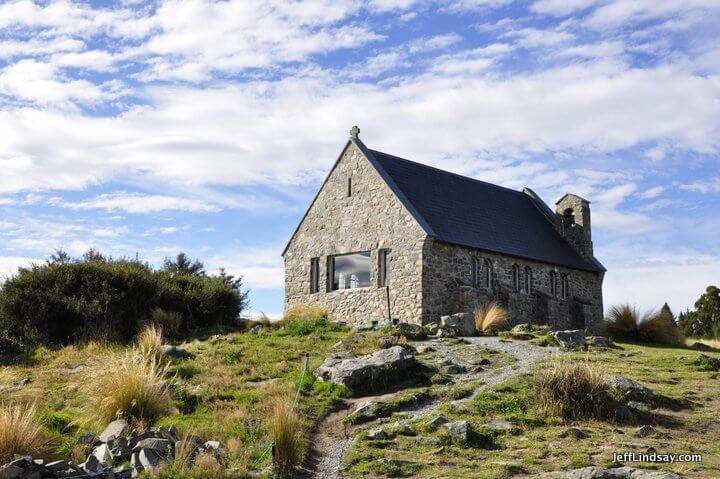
(131, 389)
(490, 317)
(572, 390)
(304, 311)
(625, 321)
(149, 344)
(20, 432)
(286, 429)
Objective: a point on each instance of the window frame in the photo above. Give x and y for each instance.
(487, 276)
(553, 284)
(331, 271)
(314, 275)
(384, 260)
(528, 280)
(475, 272)
(516, 277)
(564, 286)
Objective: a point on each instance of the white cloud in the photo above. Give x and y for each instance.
(653, 192)
(10, 264)
(709, 186)
(139, 203)
(261, 268)
(561, 7)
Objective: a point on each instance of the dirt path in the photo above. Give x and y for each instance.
(332, 437)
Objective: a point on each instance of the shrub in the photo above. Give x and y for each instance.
(132, 389)
(572, 390)
(20, 433)
(490, 317)
(169, 321)
(149, 344)
(627, 322)
(286, 430)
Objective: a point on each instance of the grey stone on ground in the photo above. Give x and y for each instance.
(432, 327)
(646, 431)
(713, 362)
(632, 390)
(400, 428)
(424, 348)
(10, 471)
(376, 434)
(160, 446)
(366, 370)
(463, 323)
(459, 431)
(395, 462)
(438, 421)
(411, 327)
(366, 412)
(116, 428)
(448, 366)
(171, 351)
(599, 472)
(57, 466)
(570, 338)
(102, 453)
(145, 458)
(597, 341)
(701, 346)
(499, 424)
(92, 465)
(574, 433)
(638, 406)
(522, 328)
(385, 343)
(441, 333)
(479, 361)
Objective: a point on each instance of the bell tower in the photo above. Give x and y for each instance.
(573, 222)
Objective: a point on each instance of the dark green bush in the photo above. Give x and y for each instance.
(64, 301)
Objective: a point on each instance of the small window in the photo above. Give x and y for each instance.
(553, 284)
(349, 187)
(314, 275)
(475, 272)
(528, 280)
(516, 277)
(351, 270)
(487, 273)
(563, 286)
(384, 267)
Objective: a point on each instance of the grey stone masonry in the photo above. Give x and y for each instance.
(356, 210)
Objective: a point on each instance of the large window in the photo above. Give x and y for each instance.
(349, 271)
(384, 267)
(314, 275)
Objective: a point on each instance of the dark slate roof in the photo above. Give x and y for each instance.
(469, 212)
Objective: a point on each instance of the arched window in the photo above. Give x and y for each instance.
(528, 280)
(487, 273)
(563, 286)
(553, 284)
(516, 277)
(475, 272)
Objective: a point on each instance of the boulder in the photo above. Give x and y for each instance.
(410, 327)
(10, 471)
(463, 323)
(385, 343)
(701, 346)
(400, 428)
(448, 366)
(632, 390)
(709, 362)
(366, 372)
(102, 454)
(638, 406)
(570, 338)
(144, 459)
(376, 434)
(92, 465)
(597, 341)
(156, 445)
(599, 472)
(171, 351)
(438, 421)
(459, 431)
(366, 412)
(116, 428)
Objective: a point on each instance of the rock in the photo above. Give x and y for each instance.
(32, 475)
(257, 329)
(441, 333)
(376, 434)
(599, 472)
(400, 428)
(385, 343)
(171, 351)
(102, 454)
(479, 361)
(159, 446)
(597, 341)
(213, 446)
(709, 361)
(57, 466)
(171, 433)
(368, 371)
(447, 366)
(646, 431)
(10, 471)
(86, 440)
(338, 345)
(638, 406)
(522, 328)
(394, 462)
(570, 338)
(145, 458)
(116, 428)
(499, 424)
(437, 421)
(411, 327)
(630, 389)
(92, 465)
(574, 433)
(701, 346)
(463, 323)
(625, 414)
(432, 327)
(459, 431)
(366, 412)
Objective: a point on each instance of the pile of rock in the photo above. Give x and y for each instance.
(574, 338)
(117, 444)
(364, 372)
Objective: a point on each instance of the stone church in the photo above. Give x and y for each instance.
(387, 239)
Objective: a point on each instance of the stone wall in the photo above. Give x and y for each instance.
(448, 288)
(370, 219)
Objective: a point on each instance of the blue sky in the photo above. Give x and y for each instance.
(154, 127)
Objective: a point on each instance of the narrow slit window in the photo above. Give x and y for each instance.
(553, 284)
(314, 275)
(475, 272)
(563, 286)
(349, 187)
(487, 273)
(528, 280)
(384, 267)
(516, 277)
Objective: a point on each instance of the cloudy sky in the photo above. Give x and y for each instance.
(154, 127)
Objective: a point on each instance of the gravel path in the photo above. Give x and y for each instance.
(332, 437)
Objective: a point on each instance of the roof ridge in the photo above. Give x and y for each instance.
(423, 165)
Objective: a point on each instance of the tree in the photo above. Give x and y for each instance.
(704, 321)
(94, 256)
(182, 265)
(60, 256)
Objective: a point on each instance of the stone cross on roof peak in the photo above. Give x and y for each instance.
(354, 132)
